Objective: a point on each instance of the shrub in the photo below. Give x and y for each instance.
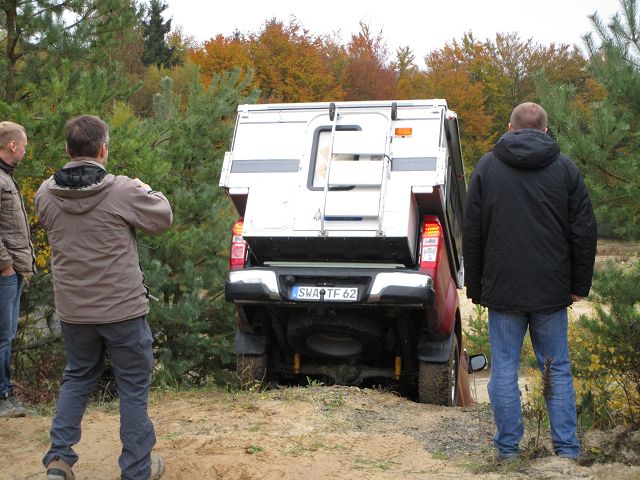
(605, 349)
(477, 335)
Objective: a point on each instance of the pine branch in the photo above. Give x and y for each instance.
(37, 344)
(63, 4)
(612, 175)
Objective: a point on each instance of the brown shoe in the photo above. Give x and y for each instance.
(59, 470)
(11, 409)
(157, 466)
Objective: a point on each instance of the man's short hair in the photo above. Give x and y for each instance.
(9, 132)
(528, 115)
(84, 135)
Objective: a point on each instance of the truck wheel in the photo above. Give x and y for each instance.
(251, 370)
(437, 382)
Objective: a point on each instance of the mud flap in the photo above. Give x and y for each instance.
(247, 344)
(434, 351)
(464, 397)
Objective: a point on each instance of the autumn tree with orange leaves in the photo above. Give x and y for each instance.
(484, 80)
(290, 65)
(369, 75)
(220, 54)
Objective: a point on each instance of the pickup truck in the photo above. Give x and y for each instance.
(346, 257)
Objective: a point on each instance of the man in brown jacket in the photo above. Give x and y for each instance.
(16, 256)
(90, 217)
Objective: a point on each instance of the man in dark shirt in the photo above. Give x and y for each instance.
(529, 243)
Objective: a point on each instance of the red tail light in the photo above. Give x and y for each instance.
(430, 244)
(238, 247)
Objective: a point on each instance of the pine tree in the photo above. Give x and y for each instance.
(49, 72)
(186, 267)
(155, 30)
(596, 132)
(37, 36)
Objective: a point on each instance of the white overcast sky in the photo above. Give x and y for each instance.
(423, 25)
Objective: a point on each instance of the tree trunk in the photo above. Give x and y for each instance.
(10, 8)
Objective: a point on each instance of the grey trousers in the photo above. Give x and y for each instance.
(129, 346)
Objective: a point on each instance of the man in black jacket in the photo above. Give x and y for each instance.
(529, 244)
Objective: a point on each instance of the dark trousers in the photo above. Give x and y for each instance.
(129, 346)
(10, 290)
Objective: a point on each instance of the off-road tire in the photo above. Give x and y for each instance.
(437, 382)
(251, 371)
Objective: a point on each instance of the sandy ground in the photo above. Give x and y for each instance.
(303, 432)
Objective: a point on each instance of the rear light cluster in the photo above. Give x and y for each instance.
(238, 247)
(430, 244)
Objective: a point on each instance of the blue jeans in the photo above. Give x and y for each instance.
(129, 346)
(548, 332)
(10, 290)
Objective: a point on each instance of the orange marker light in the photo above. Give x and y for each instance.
(404, 131)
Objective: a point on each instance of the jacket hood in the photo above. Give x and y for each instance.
(526, 148)
(80, 185)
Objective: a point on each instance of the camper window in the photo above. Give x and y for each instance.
(319, 161)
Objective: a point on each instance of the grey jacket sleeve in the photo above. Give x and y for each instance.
(149, 212)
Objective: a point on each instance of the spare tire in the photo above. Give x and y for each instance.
(341, 337)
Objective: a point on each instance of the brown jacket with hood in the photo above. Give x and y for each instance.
(16, 248)
(90, 217)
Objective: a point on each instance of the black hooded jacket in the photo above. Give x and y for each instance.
(529, 233)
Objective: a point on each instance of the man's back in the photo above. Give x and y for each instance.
(528, 205)
(96, 272)
(529, 240)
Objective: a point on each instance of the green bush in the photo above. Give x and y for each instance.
(476, 337)
(605, 349)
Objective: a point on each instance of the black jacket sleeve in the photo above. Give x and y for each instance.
(472, 240)
(582, 237)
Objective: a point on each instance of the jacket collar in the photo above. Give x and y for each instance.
(79, 161)
(7, 167)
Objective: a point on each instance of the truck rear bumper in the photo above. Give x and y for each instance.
(375, 286)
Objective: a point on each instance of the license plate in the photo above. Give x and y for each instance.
(331, 294)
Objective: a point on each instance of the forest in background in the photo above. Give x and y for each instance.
(171, 103)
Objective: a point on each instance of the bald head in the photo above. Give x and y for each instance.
(528, 115)
(13, 142)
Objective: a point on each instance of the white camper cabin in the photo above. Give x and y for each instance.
(345, 182)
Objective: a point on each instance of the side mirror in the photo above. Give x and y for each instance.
(477, 362)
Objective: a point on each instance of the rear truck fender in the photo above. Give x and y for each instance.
(248, 344)
(438, 351)
(441, 317)
(446, 309)
(434, 351)
(447, 304)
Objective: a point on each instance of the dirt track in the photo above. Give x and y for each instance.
(305, 432)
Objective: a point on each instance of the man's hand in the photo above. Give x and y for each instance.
(142, 184)
(7, 272)
(576, 298)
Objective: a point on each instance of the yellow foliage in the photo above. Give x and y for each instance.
(121, 114)
(603, 383)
